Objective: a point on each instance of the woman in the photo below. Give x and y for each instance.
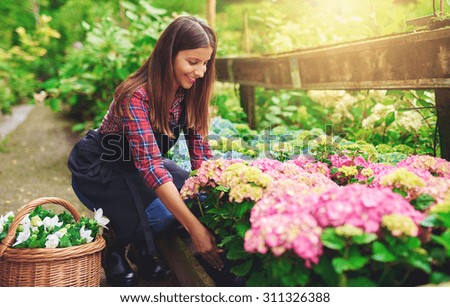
(120, 166)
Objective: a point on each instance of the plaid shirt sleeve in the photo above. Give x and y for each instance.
(199, 149)
(145, 151)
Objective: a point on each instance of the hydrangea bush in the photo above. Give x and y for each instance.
(343, 219)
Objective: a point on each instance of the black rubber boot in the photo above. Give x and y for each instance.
(115, 263)
(149, 267)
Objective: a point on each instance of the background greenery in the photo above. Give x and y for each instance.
(77, 52)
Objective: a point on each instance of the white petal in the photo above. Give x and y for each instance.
(101, 220)
(23, 236)
(52, 241)
(86, 234)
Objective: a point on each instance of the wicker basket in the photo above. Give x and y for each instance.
(75, 266)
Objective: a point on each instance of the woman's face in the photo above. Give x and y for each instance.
(189, 65)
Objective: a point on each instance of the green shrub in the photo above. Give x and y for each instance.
(112, 50)
(19, 64)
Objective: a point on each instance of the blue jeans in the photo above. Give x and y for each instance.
(159, 217)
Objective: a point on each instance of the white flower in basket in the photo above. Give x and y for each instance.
(45, 229)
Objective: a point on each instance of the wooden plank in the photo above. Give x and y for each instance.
(413, 60)
(180, 259)
(421, 21)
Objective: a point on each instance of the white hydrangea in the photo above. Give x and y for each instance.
(327, 98)
(342, 109)
(409, 120)
(379, 111)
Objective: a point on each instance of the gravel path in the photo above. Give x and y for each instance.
(33, 161)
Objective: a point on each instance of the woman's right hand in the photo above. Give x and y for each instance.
(205, 244)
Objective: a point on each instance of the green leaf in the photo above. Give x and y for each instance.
(236, 251)
(431, 221)
(394, 92)
(419, 261)
(226, 240)
(241, 229)
(78, 127)
(381, 253)
(423, 202)
(390, 118)
(291, 108)
(424, 103)
(399, 191)
(354, 261)
(243, 208)
(132, 16)
(65, 242)
(153, 11)
(325, 270)
(443, 239)
(222, 188)
(281, 266)
(243, 268)
(439, 277)
(51, 83)
(378, 123)
(218, 211)
(275, 110)
(331, 240)
(364, 238)
(298, 275)
(86, 26)
(361, 282)
(444, 217)
(413, 243)
(54, 104)
(257, 279)
(352, 264)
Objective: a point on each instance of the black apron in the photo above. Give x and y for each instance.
(103, 171)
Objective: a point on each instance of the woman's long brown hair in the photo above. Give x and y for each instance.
(157, 76)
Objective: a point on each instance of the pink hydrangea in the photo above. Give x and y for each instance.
(434, 165)
(281, 221)
(437, 187)
(208, 175)
(309, 165)
(344, 160)
(190, 188)
(361, 206)
(265, 164)
(349, 168)
(211, 170)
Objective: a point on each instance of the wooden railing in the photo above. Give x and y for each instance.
(418, 60)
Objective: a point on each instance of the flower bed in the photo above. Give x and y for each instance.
(334, 220)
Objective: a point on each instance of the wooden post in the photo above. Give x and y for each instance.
(443, 121)
(211, 12)
(247, 96)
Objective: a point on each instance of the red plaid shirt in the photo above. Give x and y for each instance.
(139, 133)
